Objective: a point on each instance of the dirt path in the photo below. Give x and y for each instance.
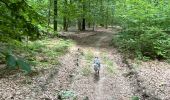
(119, 79)
(110, 85)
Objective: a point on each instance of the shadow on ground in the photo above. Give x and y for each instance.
(96, 78)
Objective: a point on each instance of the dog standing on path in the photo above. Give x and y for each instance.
(96, 65)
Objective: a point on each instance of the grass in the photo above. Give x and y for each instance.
(86, 71)
(110, 65)
(39, 53)
(89, 56)
(47, 51)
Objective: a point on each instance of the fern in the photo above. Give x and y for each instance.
(16, 63)
(135, 98)
(11, 61)
(23, 65)
(68, 95)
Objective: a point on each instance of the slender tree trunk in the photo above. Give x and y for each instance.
(101, 12)
(93, 25)
(107, 18)
(112, 23)
(79, 25)
(83, 20)
(65, 24)
(55, 15)
(49, 15)
(84, 24)
(89, 10)
(65, 19)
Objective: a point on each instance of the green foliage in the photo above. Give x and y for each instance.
(36, 45)
(151, 42)
(89, 56)
(38, 53)
(143, 29)
(155, 43)
(110, 65)
(9, 42)
(135, 98)
(11, 61)
(44, 53)
(62, 46)
(17, 63)
(23, 65)
(67, 95)
(19, 19)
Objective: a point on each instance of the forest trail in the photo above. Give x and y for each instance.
(110, 84)
(118, 79)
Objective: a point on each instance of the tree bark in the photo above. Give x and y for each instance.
(65, 24)
(101, 12)
(55, 15)
(84, 24)
(79, 25)
(65, 19)
(83, 20)
(106, 26)
(49, 14)
(93, 26)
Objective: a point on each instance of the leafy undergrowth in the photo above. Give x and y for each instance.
(67, 95)
(45, 52)
(34, 54)
(148, 43)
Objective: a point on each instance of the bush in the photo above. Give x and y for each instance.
(155, 43)
(151, 42)
(36, 45)
(14, 62)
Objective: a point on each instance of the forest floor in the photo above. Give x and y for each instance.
(119, 78)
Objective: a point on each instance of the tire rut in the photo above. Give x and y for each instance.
(133, 77)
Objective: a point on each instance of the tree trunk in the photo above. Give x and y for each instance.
(55, 15)
(101, 12)
(83, 20)
(89, 10)
(65, 19)
(93, 25)
(65, 24)
(84, 25)
(106, 26)
(49, 14)
(79, 25)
